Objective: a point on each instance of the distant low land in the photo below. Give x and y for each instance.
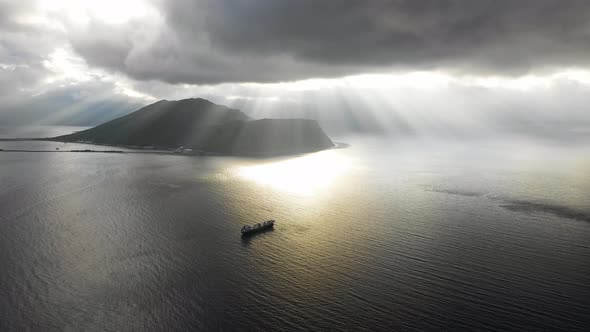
(205, 127)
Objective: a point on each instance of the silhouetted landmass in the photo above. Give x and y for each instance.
(202, 125)
(267, 136)
(164, 123)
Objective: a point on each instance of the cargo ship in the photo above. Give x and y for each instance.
(248, 230)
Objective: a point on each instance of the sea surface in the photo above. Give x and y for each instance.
(388, 234)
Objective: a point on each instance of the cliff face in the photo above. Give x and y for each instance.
(202, 125)
(267, 137)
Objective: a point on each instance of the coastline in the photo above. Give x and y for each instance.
(140, 150)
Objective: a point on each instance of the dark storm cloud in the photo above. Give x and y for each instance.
(212, 41)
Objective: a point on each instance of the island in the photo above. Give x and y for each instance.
(199, 125)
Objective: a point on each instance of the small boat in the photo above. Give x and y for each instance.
(247, 230)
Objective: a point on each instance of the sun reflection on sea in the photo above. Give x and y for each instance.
(304, 176)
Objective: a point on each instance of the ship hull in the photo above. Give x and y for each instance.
(257, 230)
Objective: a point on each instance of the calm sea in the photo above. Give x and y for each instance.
(384, 235)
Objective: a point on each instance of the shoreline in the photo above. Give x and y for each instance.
(139, 150)
(90, 151)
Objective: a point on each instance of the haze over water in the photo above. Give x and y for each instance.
(387, 234)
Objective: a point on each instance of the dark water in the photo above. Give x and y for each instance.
(411, 236)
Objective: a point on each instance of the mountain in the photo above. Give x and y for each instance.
(202, 125)
(164, 123)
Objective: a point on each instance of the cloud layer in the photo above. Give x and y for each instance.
(213, 41)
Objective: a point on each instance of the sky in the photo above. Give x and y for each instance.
(448, 67)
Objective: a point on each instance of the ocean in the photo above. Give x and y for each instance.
(388, 234)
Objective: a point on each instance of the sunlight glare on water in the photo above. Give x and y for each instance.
(304, 176)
